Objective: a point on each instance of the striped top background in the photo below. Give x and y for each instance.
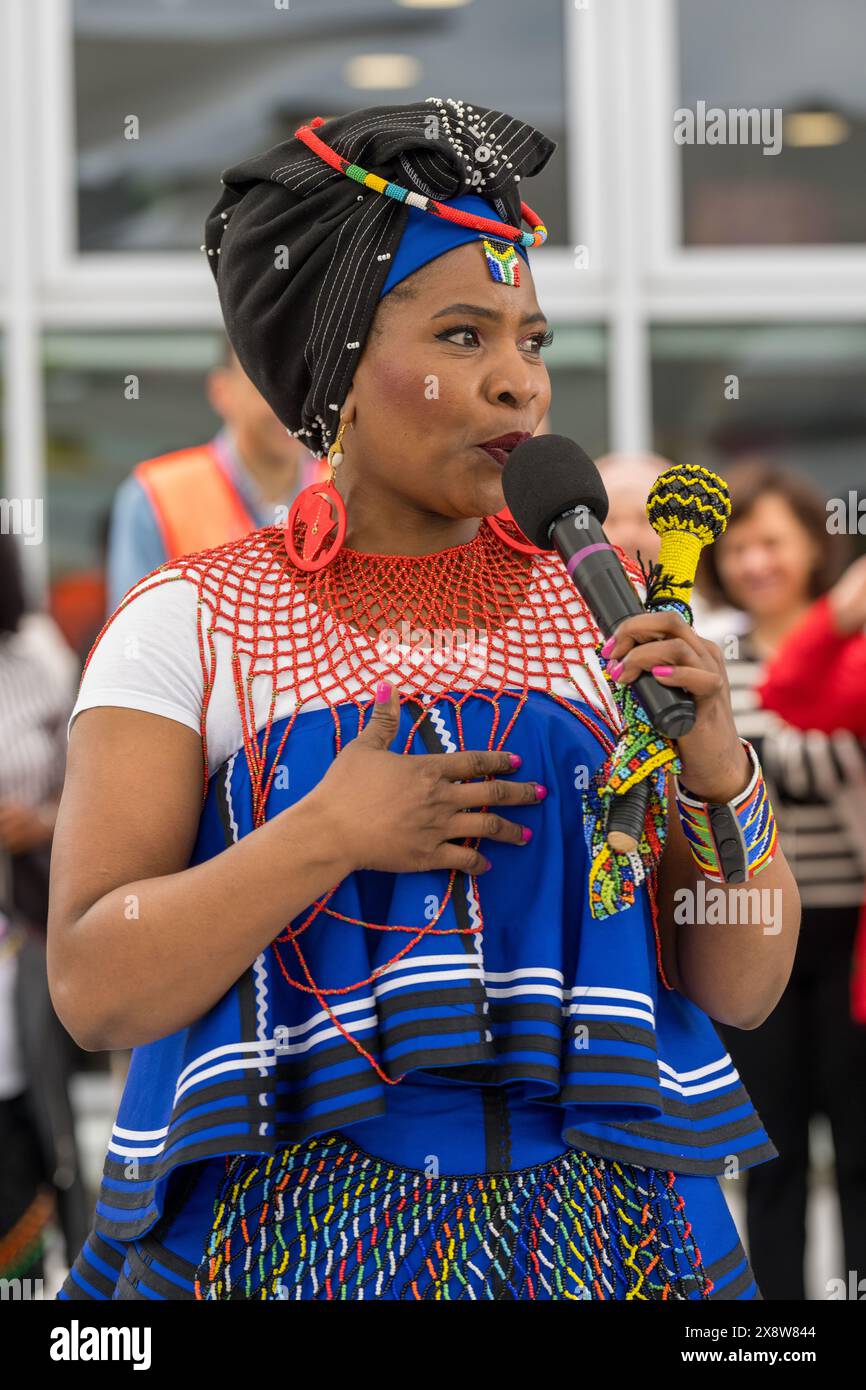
(817, 784)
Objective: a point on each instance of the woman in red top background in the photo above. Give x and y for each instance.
(779, 564)
(817, 680)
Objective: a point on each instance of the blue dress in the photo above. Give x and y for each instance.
(516, 1107)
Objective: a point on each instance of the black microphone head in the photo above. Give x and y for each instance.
(546, 476)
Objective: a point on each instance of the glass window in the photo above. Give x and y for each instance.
(211, 81)
(115, 398)
(577, 362)
(796, 57)
(111, 400)
(790, 393)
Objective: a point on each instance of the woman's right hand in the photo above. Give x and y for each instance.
(848, 599)
(402, 813)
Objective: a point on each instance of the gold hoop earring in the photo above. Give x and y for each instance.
(335, 453)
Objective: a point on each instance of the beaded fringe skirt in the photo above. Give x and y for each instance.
(324, 1220)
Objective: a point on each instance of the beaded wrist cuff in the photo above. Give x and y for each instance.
(731, 841)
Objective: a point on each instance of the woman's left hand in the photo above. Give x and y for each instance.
(715, 765)
(23, 827)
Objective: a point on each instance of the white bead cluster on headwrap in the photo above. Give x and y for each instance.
(484, 152)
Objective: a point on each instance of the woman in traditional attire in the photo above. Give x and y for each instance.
(322, 858)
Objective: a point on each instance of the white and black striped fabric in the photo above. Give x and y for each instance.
(36, 693)
(37, 689)
(817, 785)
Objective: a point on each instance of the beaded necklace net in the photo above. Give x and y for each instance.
(510, 624)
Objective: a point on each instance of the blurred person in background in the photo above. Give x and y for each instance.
(628, 479)
(77, 598)
(809, 1057)
(199, 497)
(39, 1170)
(817, 680)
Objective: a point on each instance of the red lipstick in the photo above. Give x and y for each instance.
(501, 447)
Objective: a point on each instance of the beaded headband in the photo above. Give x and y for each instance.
(489, 225)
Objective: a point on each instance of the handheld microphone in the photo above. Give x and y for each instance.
(555, 494)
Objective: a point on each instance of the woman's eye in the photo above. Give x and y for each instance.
(542, 340)
(537, 341)
(451, 333)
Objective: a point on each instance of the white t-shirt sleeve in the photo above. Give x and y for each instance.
(148, 657)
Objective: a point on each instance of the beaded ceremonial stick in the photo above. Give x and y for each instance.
(688, 507)
(490, 225)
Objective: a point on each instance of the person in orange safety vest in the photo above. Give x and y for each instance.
(245, 477)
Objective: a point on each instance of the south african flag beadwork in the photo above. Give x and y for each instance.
(502, 261)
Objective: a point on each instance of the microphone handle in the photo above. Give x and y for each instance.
(597, 574)
(626, 818)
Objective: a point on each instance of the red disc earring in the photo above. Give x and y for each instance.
(507, 529)
(322, 512)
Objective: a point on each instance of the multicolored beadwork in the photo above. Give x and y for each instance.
(640, 753)
(503, 262)
(23, 1246)
(688, 507)
(323, 1220)
(751, 812)
(537, 237)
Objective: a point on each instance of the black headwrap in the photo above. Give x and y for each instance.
(300, 252)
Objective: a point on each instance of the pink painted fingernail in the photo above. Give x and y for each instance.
(608, 646)
(383, 692)
(615, 670)
(663, 670)
(515, 759)
(540, 791)
(526, 833)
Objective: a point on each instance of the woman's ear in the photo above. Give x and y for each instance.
(349, 407)
(218, 388)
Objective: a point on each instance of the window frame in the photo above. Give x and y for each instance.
(621, 87)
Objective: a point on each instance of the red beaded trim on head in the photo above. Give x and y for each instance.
(490, 225)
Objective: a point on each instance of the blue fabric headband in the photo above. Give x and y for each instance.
(425, 237)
